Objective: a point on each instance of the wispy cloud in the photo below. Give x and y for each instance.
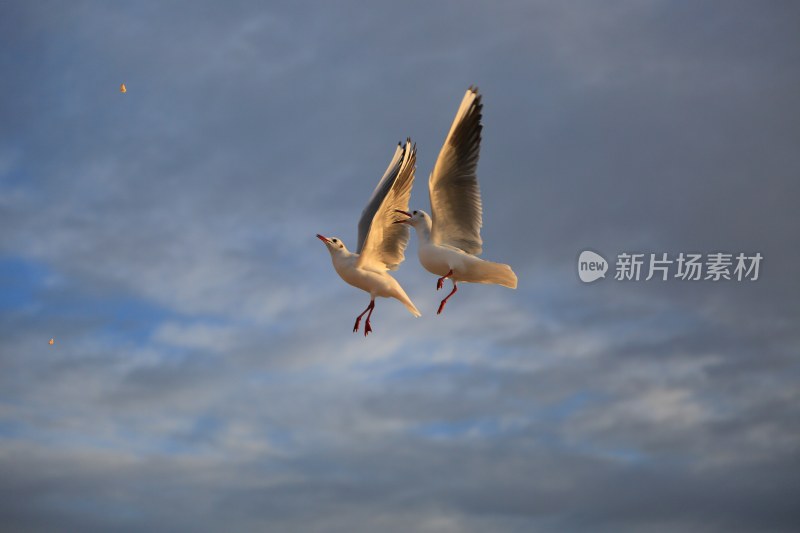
(203, 375)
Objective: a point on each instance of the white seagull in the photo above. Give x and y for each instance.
(450, 238)
(380, 243)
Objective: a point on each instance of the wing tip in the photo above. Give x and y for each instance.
(409, 149)
(475, 92)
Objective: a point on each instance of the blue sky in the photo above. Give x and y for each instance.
(204, 375)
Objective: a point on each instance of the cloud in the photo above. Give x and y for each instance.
(204, 376)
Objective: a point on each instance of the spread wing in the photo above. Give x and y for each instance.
(381, 243)
(455, 195)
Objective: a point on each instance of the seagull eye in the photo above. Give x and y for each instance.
(415, 212)
(334, 240)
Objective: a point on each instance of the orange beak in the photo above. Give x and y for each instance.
(323, 238)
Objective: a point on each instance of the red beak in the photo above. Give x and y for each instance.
(406, 213)
(323, 238)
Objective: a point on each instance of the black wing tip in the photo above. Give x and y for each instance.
(405, 147)
(472, 122)
(477, 104)
(474, 90)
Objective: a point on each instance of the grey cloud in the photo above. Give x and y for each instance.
(244, 402)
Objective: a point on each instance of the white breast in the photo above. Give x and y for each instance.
(439, 260)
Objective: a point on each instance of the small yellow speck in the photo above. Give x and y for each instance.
(52, 342)
(122, 88)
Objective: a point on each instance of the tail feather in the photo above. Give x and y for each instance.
(403, 298)
(488, 272)
(412, 308)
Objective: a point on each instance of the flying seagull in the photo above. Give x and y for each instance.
(381, 243)
(450, 238)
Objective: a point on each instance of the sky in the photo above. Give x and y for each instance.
(204, 374)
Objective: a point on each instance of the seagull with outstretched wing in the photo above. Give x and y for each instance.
(450, 237)
(381, 242)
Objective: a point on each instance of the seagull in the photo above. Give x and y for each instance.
(450, 238)
(381, 243)
(122, 88)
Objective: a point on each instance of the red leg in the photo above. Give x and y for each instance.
(358, 320)
(367, 327)
(440, 282)
(444, 302)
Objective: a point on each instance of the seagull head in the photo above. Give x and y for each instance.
(414, 218)
(334, 244)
